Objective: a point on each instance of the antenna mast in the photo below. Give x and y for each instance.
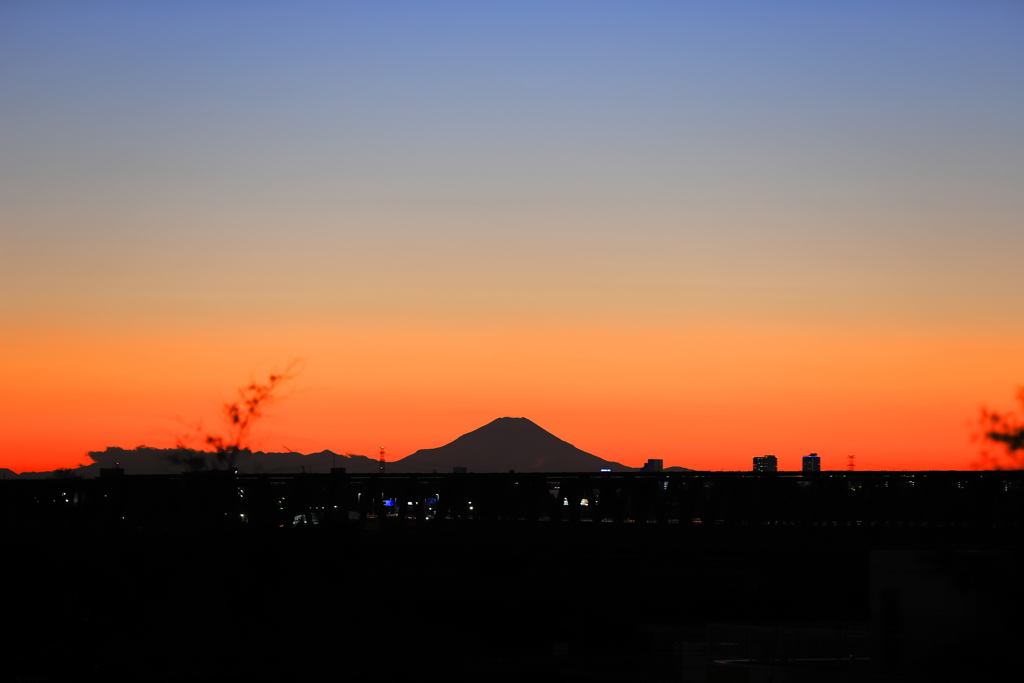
(382, 460)
(849, 462)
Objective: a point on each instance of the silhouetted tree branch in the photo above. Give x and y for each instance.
(1006, 430)
(240, 416)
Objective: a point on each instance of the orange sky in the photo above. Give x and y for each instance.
(700, 232)
(705, 397)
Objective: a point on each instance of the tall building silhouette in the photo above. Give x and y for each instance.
(811, 463)
(766, 463)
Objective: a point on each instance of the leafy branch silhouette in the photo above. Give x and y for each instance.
(1006, 430)
(240, 415)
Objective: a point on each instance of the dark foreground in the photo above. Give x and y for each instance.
(365, 596)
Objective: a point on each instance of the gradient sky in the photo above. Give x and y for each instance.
(692, 231)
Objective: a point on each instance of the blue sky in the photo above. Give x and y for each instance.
(399, 166)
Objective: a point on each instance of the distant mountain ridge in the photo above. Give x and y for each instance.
(507, 443)
(145, 460)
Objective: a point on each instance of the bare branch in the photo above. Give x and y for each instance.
(240, 415)
(1005, 430)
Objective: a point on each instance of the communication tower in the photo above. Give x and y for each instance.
(849, 462)
(382, 460)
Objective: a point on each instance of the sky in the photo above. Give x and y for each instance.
(700, 232)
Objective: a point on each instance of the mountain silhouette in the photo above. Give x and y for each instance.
(146, 460)
(508, 443)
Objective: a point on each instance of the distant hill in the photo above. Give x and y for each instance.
(508, 443)
(145, 460)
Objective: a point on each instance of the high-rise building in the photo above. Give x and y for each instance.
(653, 465)
(812, 463)
(766, 463)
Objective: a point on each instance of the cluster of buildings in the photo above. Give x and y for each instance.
(769, 463)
